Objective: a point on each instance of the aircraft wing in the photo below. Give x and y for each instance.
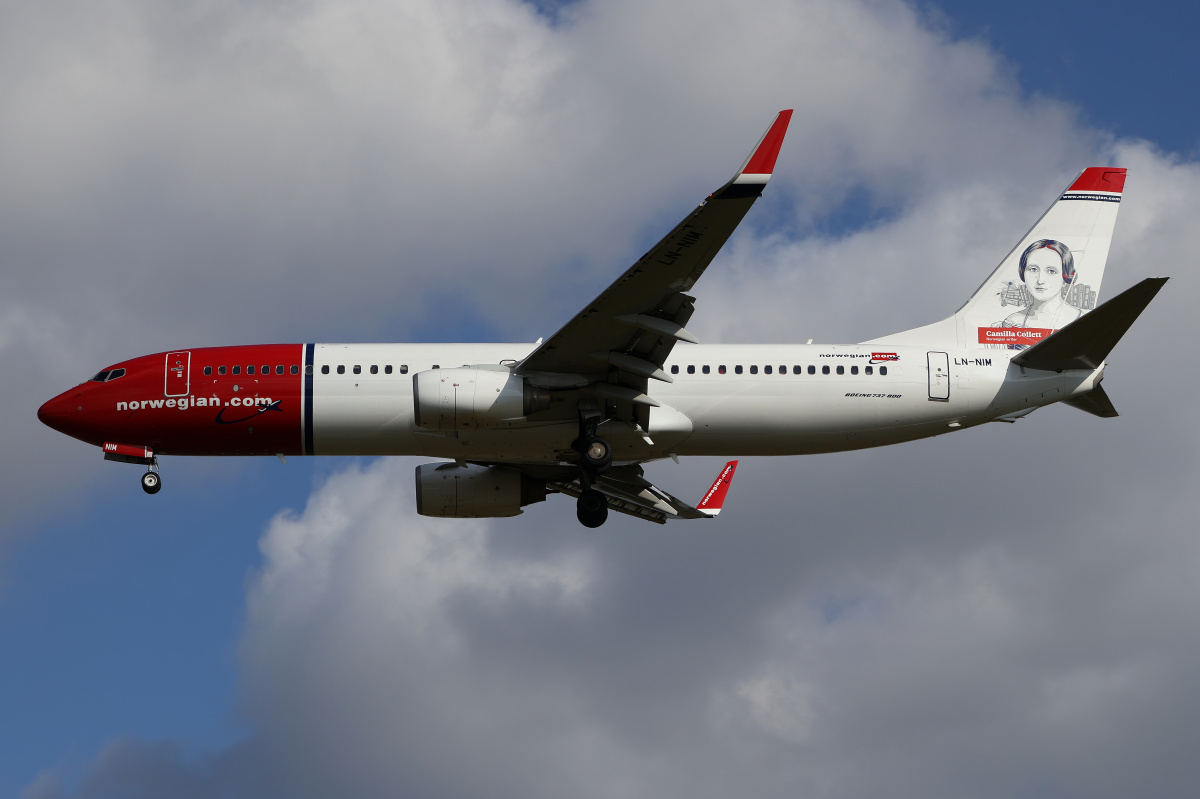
(634, 323)
(628, 492)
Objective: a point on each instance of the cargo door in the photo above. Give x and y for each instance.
(939, 376)
(178, 379)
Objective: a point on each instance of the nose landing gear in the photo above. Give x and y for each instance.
(144, 456)
(151, 482)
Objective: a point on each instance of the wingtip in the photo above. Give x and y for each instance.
(714, 497)
(761, 162)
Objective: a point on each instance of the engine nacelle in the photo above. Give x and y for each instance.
(465, 398)
(473, 492)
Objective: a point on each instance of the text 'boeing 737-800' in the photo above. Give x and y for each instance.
(624, 383)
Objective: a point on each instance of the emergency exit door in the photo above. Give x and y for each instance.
(939, 376)
(178, 379)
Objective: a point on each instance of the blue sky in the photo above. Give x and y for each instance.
(131, 622)
(1126, 68)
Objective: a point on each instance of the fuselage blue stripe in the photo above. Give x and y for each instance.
(309, 350)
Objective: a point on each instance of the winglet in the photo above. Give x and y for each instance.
(761, 163)
(714, 498)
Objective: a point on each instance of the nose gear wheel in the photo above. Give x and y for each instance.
(151, 481)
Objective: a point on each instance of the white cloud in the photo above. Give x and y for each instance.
(389, 654)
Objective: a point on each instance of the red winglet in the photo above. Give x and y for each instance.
(1100, 178)
(762, 161)
(714, 497)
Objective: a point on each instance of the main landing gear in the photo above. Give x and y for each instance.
(595, 456)
(592, 508)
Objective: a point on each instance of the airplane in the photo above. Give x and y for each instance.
(624, 383)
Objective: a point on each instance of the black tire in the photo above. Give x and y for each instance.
(151, 482)
(592, 508)
(596, 455)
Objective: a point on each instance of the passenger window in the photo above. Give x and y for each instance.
(237, 370)
(435, 366)
(691, 370)
(279, 369)
(783, 370)
(841, 369)
(387, 370)
(249, 370)
(721, 369)
(295, 369)
(266, 370)
(754, 369)
(674, 369)
(883, 370)
(220, 370)
(308, 369)
(869, 370)
(812, 370)
(797, 370)
(325, 369)
(374, 369)
(853, 370)
(357, 369)
(341, 369)
(737, 369)
(704, 368)
(208, 370)
(767, 370)
(825, 370)
(403, 368)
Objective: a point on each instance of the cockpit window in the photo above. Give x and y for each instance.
(107, 374)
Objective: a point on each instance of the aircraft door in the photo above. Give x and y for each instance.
(939, 376)
(177, 382)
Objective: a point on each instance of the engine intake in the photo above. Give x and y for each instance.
(465, 398)
(474, 492)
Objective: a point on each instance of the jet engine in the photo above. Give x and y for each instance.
(465, 398)
(473, 492)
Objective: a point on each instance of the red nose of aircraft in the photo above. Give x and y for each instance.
(66, 414)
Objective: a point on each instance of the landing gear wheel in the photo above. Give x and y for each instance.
(596, 456)
(151, 482)
(592, 508)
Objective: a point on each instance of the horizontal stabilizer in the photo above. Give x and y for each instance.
(1095, 402)
(1086, 342)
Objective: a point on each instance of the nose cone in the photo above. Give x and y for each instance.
(53, 413)
(64, 413)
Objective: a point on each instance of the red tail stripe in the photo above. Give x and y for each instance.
(1100, 178)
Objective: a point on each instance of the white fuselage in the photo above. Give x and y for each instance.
(723, 401)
